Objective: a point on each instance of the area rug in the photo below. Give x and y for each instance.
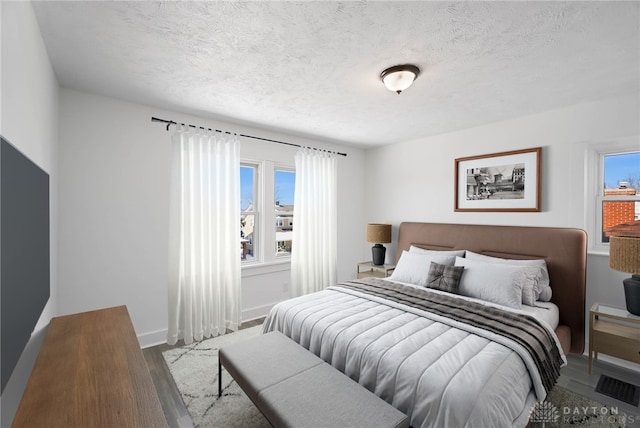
(195, 370)
(564, 409)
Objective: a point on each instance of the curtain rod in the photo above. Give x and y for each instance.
(171, 122)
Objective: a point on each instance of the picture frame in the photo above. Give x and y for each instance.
(499, 182)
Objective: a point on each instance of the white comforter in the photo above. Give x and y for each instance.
(439, 373)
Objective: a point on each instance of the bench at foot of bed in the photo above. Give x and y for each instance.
(292, 387)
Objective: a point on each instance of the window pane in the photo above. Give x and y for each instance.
(621, 171)
(247, 213)
(247, 186)
(284, 192)
(618, 212)
(621, 178)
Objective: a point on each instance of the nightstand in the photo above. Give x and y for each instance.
(368, 269)
(613, 331)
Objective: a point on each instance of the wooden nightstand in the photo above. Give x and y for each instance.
(613, 331)
(368, 269)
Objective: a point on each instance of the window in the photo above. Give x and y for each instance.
(618, 196)
(266, 228)
(284, 189)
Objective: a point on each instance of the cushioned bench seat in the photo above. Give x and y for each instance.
(294, 388)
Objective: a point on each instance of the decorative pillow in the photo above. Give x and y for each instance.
(542, 288)
(444, 278)
(455, 253)
(528, 276)
(413, 268)
(492, 282)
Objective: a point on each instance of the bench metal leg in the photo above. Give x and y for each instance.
(219, 378)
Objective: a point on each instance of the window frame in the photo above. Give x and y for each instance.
(595, 194)
(265, 245)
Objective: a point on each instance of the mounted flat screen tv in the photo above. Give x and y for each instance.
(24, 253)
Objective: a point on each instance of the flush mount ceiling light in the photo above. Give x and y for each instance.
(399, 77)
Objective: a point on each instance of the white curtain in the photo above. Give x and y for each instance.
(204, 256)
(314, 256)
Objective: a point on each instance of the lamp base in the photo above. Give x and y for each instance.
(632, 294)
(377, 254)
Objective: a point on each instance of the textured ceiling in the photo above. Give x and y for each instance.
(312, 68)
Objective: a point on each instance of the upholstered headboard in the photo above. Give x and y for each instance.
(564, 250)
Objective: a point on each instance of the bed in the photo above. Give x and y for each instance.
(404, 343)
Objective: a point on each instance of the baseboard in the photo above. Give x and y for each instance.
(618, 362)
(154, 338)
(255, 313)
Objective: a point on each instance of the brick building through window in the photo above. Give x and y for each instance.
(618, 212)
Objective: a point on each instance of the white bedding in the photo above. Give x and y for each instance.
(545, 311)
(437, 373)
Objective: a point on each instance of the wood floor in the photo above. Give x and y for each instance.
(574, 377)
(174, 410)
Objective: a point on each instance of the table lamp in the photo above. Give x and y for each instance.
(378, 234)
(624, 256)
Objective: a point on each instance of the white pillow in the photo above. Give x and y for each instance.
(492, 282)
(455, 253)
(413, 268)
(542, 286)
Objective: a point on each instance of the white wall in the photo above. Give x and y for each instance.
(29, 121)
(414, 181)
(114, 198)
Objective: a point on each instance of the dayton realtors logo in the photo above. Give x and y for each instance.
(544, 413)
(547, 415)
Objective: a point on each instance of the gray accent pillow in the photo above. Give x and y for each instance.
(444, 278)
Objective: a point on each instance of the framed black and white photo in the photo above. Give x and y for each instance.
(506, 181)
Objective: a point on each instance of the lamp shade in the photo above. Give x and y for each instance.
(624, 254)
(378, 233)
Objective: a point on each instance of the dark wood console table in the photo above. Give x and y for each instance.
(90, 372)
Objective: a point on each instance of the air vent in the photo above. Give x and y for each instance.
(619, 390)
